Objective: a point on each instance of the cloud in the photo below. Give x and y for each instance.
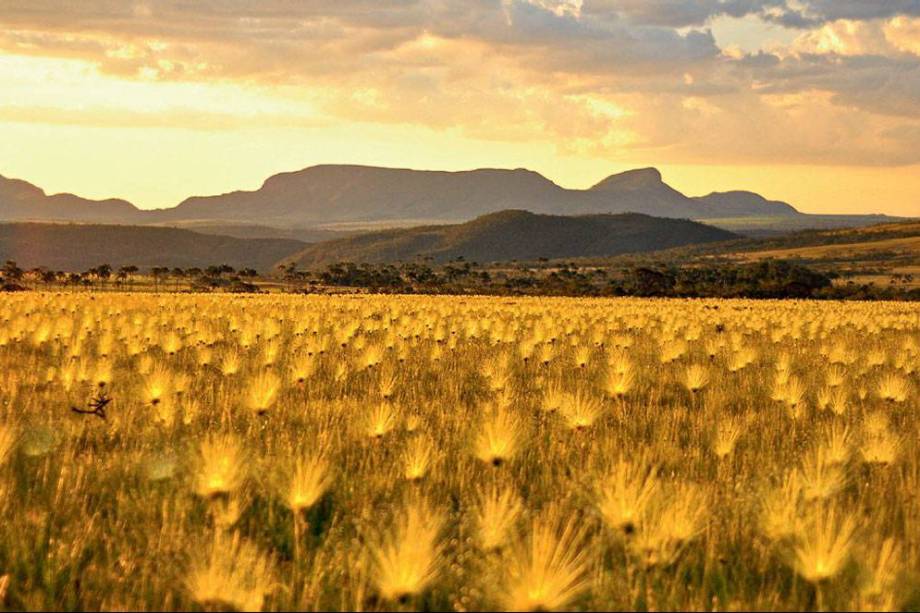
(790, 13)
(678, 13)
(162, 119)
(809, 13)
(804, 128)
(519, 70)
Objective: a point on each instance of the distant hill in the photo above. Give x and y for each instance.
(250, 230)
(745, 204)
(306, 203)
(22, 201)
(514, 235)
(73, 247)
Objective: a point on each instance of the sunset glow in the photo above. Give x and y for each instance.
(815, 102)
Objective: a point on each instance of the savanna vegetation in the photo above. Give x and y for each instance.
(880, 260)
(215, 452)
(651, 278)
(763, 279)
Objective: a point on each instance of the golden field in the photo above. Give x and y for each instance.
(280, 452)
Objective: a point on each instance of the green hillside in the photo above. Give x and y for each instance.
(514, 235)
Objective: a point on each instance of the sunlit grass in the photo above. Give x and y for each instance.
(316, 453)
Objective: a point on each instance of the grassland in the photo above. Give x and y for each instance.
(420, 453)
(867, 255)
(882, 255)
(908, 245)
(766, 226)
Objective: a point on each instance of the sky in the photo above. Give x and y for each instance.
(816, 102)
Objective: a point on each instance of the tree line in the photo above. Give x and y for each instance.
(764, 279)
(106, 276)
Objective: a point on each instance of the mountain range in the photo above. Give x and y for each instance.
(319, 197)
(325, 194)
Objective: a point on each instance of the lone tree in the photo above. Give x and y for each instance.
(103, 272)
(125, 273)
(158, 272)
(177, 274)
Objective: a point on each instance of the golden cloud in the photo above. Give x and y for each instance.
(612, 78)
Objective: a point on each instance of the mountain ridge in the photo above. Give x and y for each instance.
(19, 200)
(349, 193)
(318, 194)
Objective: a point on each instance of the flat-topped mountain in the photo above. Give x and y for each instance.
(514, 235)
(323, 194)
(644, 191)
